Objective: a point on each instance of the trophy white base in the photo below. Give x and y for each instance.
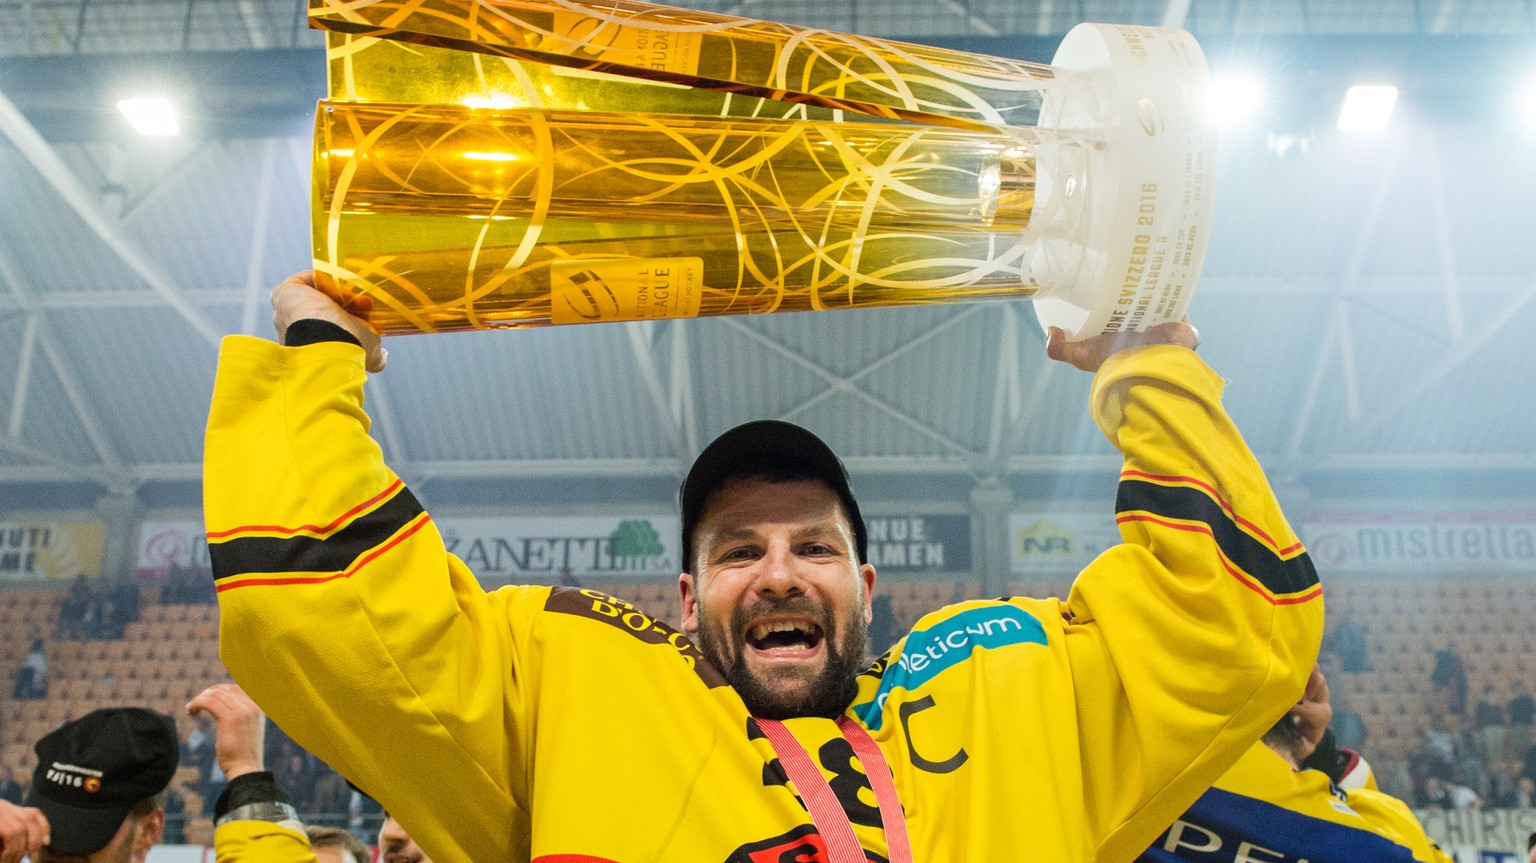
(1125, 189)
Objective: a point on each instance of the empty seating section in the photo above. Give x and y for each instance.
(161, 661)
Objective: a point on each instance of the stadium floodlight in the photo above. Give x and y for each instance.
(153, 117)
(1367, 108)
(1232, 99)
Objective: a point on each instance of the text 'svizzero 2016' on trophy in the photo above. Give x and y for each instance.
(508, 163)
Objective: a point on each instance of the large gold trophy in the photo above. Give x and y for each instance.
(508, 163)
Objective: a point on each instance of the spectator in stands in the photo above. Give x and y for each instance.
(1347, 642)
(1348, 725)
(1450, 680)
(1512, 791)
(1488, 720)
(187, 586)
(335, 845)
(1530, 848)
(197, 751)
(32, 676)
(97, 791)
(361, 811)
(176, 816)
(74, 608)
(108, 628)
(125, 597)
(1444, 794)
(1522, 721)
(1394, 778)
(295, 769)
(331, 791)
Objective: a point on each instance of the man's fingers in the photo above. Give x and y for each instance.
(37, 834)
(23, 832)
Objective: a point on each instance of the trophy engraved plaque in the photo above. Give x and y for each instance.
(507, 163)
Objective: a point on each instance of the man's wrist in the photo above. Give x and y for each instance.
(309, 331)
(251, 788)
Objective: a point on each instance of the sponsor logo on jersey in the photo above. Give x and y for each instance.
(951, 641)
(622, 615)
(1223, 827)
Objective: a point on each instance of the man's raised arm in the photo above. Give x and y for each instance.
(342, 614)
(1198, 632)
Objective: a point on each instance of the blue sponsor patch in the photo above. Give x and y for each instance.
(947, 644)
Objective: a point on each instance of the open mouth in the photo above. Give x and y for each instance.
(784, 637)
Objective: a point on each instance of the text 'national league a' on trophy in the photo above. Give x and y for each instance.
(508, 163)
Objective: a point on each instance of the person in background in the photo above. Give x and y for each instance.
(1347, 642)
(32, 676)
(1296, 796)
(253, 818)
(397, 846)
(336, 845)
(1488, 721)
(1521, 713)
(97, 792)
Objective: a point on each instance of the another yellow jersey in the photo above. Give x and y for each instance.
(1263, 810)
(561, 725)
(260, 842)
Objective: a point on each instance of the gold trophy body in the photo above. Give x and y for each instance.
(529, 162)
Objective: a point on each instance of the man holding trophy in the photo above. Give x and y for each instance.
(558, 724)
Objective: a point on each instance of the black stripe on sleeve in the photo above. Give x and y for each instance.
(268, 554)
(1278, 575)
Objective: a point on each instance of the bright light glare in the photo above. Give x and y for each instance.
(492, 157)
(495, 101)
(1233, 98)
(1528, 103)
(153, 117)
(1367, 108)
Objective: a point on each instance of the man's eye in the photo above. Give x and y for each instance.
(737, 554)
(820, 548)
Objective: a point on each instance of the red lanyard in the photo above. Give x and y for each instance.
(826, 812)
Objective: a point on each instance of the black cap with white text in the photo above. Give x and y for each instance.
(92, 771)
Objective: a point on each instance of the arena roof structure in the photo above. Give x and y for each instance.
(1368, 296)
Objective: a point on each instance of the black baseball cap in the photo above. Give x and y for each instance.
(765, 447)
(92, 771)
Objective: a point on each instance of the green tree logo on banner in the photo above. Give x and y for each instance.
(633, 542)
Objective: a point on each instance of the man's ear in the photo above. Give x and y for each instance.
(148, 832)
(867, 573)
(688, 595)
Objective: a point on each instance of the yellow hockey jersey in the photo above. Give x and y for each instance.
(260, 842)
(561, 725)
(1262, 810)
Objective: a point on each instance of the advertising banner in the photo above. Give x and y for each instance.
(164, 544)
(1480, 835)
(47, 550)
(919, 543)
(1057, 541)
(512, 549)
(1400, 543)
